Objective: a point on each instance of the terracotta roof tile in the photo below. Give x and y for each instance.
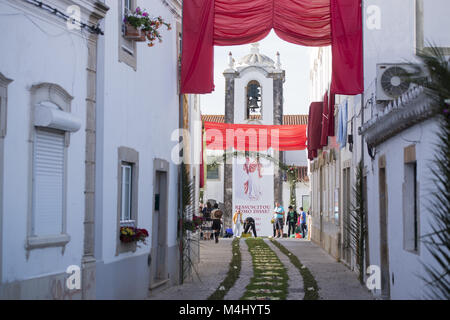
(289, 119)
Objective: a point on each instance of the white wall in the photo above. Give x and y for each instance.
(140, 112)
(36, 49)
(302, 189)
(395, 42)
(214, 188)
(404, 265)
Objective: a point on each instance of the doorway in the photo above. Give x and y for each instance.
(347, 254)
(159, 268)
(384, 247)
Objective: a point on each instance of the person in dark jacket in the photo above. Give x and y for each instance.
(217, 221)
(250, 223)
(291, 220)
(207, 210)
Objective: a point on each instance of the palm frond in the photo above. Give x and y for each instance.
(437, 242)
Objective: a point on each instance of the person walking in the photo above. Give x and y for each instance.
(250, 223)
(217, 221)
(302, 220)
(207, 226)
(207, 210)
(237, 220)
(291, 220)
(279, 219)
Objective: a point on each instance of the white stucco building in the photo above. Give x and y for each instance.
(399, 136)
(88, 144)
(47, 74)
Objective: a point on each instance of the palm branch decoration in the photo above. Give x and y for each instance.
(188, 262)
(355, 225)
(437, 241)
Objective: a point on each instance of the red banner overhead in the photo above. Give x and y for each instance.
(249, 137)
(312, 23)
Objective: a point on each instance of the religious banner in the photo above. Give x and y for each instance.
(253, 185)
(254, 137)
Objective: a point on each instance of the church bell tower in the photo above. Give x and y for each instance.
(253, 95)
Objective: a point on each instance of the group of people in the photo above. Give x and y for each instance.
(292, 218)
(296, 222)
(212, 215)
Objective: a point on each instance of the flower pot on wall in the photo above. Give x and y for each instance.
(132, 33)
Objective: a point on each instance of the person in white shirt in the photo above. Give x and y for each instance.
(237, 221)
(278, 216)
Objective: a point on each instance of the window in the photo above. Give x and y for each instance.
(254, 100)
(50, 132)
(212, 172)
(410, 208)
(127, 177)
(48, 182)
(127, 48)
(127, 194)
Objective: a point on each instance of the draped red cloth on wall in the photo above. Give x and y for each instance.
(347, 51)
(314, 128)
(249, 137)
(233, 22)
(325, 115)
(197, 60)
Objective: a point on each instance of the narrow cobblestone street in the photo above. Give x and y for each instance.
(335, 281)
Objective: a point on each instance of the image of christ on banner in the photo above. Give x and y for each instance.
(253, 190)
(252, 186)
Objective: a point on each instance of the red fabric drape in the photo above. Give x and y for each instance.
(325, 115)
(347, 50)
(306, 22)
(197, 61)
(241, 21)
(314, 128)
(248, 137)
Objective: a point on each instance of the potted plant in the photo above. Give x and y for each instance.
(140, 27)
(132, 234)
(133, 27)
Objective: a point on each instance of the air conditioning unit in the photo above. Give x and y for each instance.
(392, 80)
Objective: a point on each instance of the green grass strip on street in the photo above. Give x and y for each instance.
(309, 283)
(270, 280)
(233, 273)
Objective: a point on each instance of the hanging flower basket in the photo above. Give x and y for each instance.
(131, 234)
(133, 33)
(143, 28)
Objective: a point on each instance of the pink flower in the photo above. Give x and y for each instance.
(145, 14)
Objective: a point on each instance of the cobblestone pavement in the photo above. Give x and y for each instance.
(213, 267)
(296, 289)
(245, 275)
(335, 281)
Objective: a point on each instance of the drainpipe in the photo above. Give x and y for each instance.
(180, 180)
(362, 237)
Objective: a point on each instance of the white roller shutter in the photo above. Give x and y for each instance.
(48, 182)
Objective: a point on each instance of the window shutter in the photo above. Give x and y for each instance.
(48, 182)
